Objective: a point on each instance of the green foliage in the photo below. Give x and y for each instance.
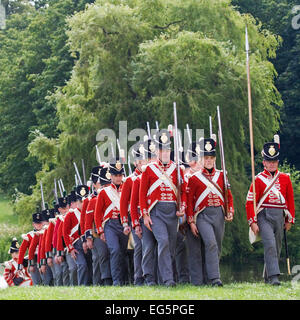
(276, 16)
(133, 59)
(34, 60)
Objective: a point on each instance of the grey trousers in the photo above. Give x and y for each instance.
(47, 278)
(82, 268)
(271, 222)
(137, 258)
(102, 259)
(210, 223)
(148, 255)
(181, 259)
(117, 243)
(164, 228)
(36, 277)
(72, 267)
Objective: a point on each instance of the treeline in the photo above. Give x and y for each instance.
(71, 68)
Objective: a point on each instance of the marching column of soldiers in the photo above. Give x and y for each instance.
(118, 231)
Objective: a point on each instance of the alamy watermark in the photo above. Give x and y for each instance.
(110, 145)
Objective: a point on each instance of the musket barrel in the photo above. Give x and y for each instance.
(77, 172)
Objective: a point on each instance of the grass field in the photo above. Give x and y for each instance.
(234, 291)
(6, 214)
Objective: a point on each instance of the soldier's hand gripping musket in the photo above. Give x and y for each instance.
(228, 214)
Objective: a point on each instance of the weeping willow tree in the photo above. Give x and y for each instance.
(134, 58)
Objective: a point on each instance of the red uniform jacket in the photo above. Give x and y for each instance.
(89, 216)
(281, 196)
(83, 217)
(49, 237)
(71, 226)
(202, 193)
(60, 244)
(54, 238)
(156, 187)
(125, 197)
(107, 206)
(41, 251)
(27, 238)
(11, 272)
(135, 211)
(33, 248)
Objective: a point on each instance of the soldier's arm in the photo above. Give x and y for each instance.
(99, 212)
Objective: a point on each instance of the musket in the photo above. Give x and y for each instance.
(189, 134)
(177, 159)
(156, 124)
(98, 155)
(250, 123)
(55, 191)
(60, 188)
(112, 150)
(210, 127)
(77, 173)
(148, 130)
(121, 154)
(62, 185)
(83, 171)
(42, 195)
(76, 180)
(129, 166)
(226, 184)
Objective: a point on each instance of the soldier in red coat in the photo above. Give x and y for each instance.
(206, 208)
(108, 222)
(12, 275)
(275, 208)
(64, 257)
(27, 239)
(100, 253)
(158, 203)
(72, 233)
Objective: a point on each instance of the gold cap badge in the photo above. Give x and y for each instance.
(152, 147)
(82, 192)
(142, 149)
(272, 150)
(118, 165)
(208, 146)
(164, 137)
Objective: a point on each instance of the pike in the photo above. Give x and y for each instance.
(222, 156)
(177, 159)
(250, 121)
(77, 173)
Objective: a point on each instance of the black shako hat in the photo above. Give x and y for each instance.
(270, 151)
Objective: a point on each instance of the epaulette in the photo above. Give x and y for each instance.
(144, 167)
(52, 220)
(8, 264)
